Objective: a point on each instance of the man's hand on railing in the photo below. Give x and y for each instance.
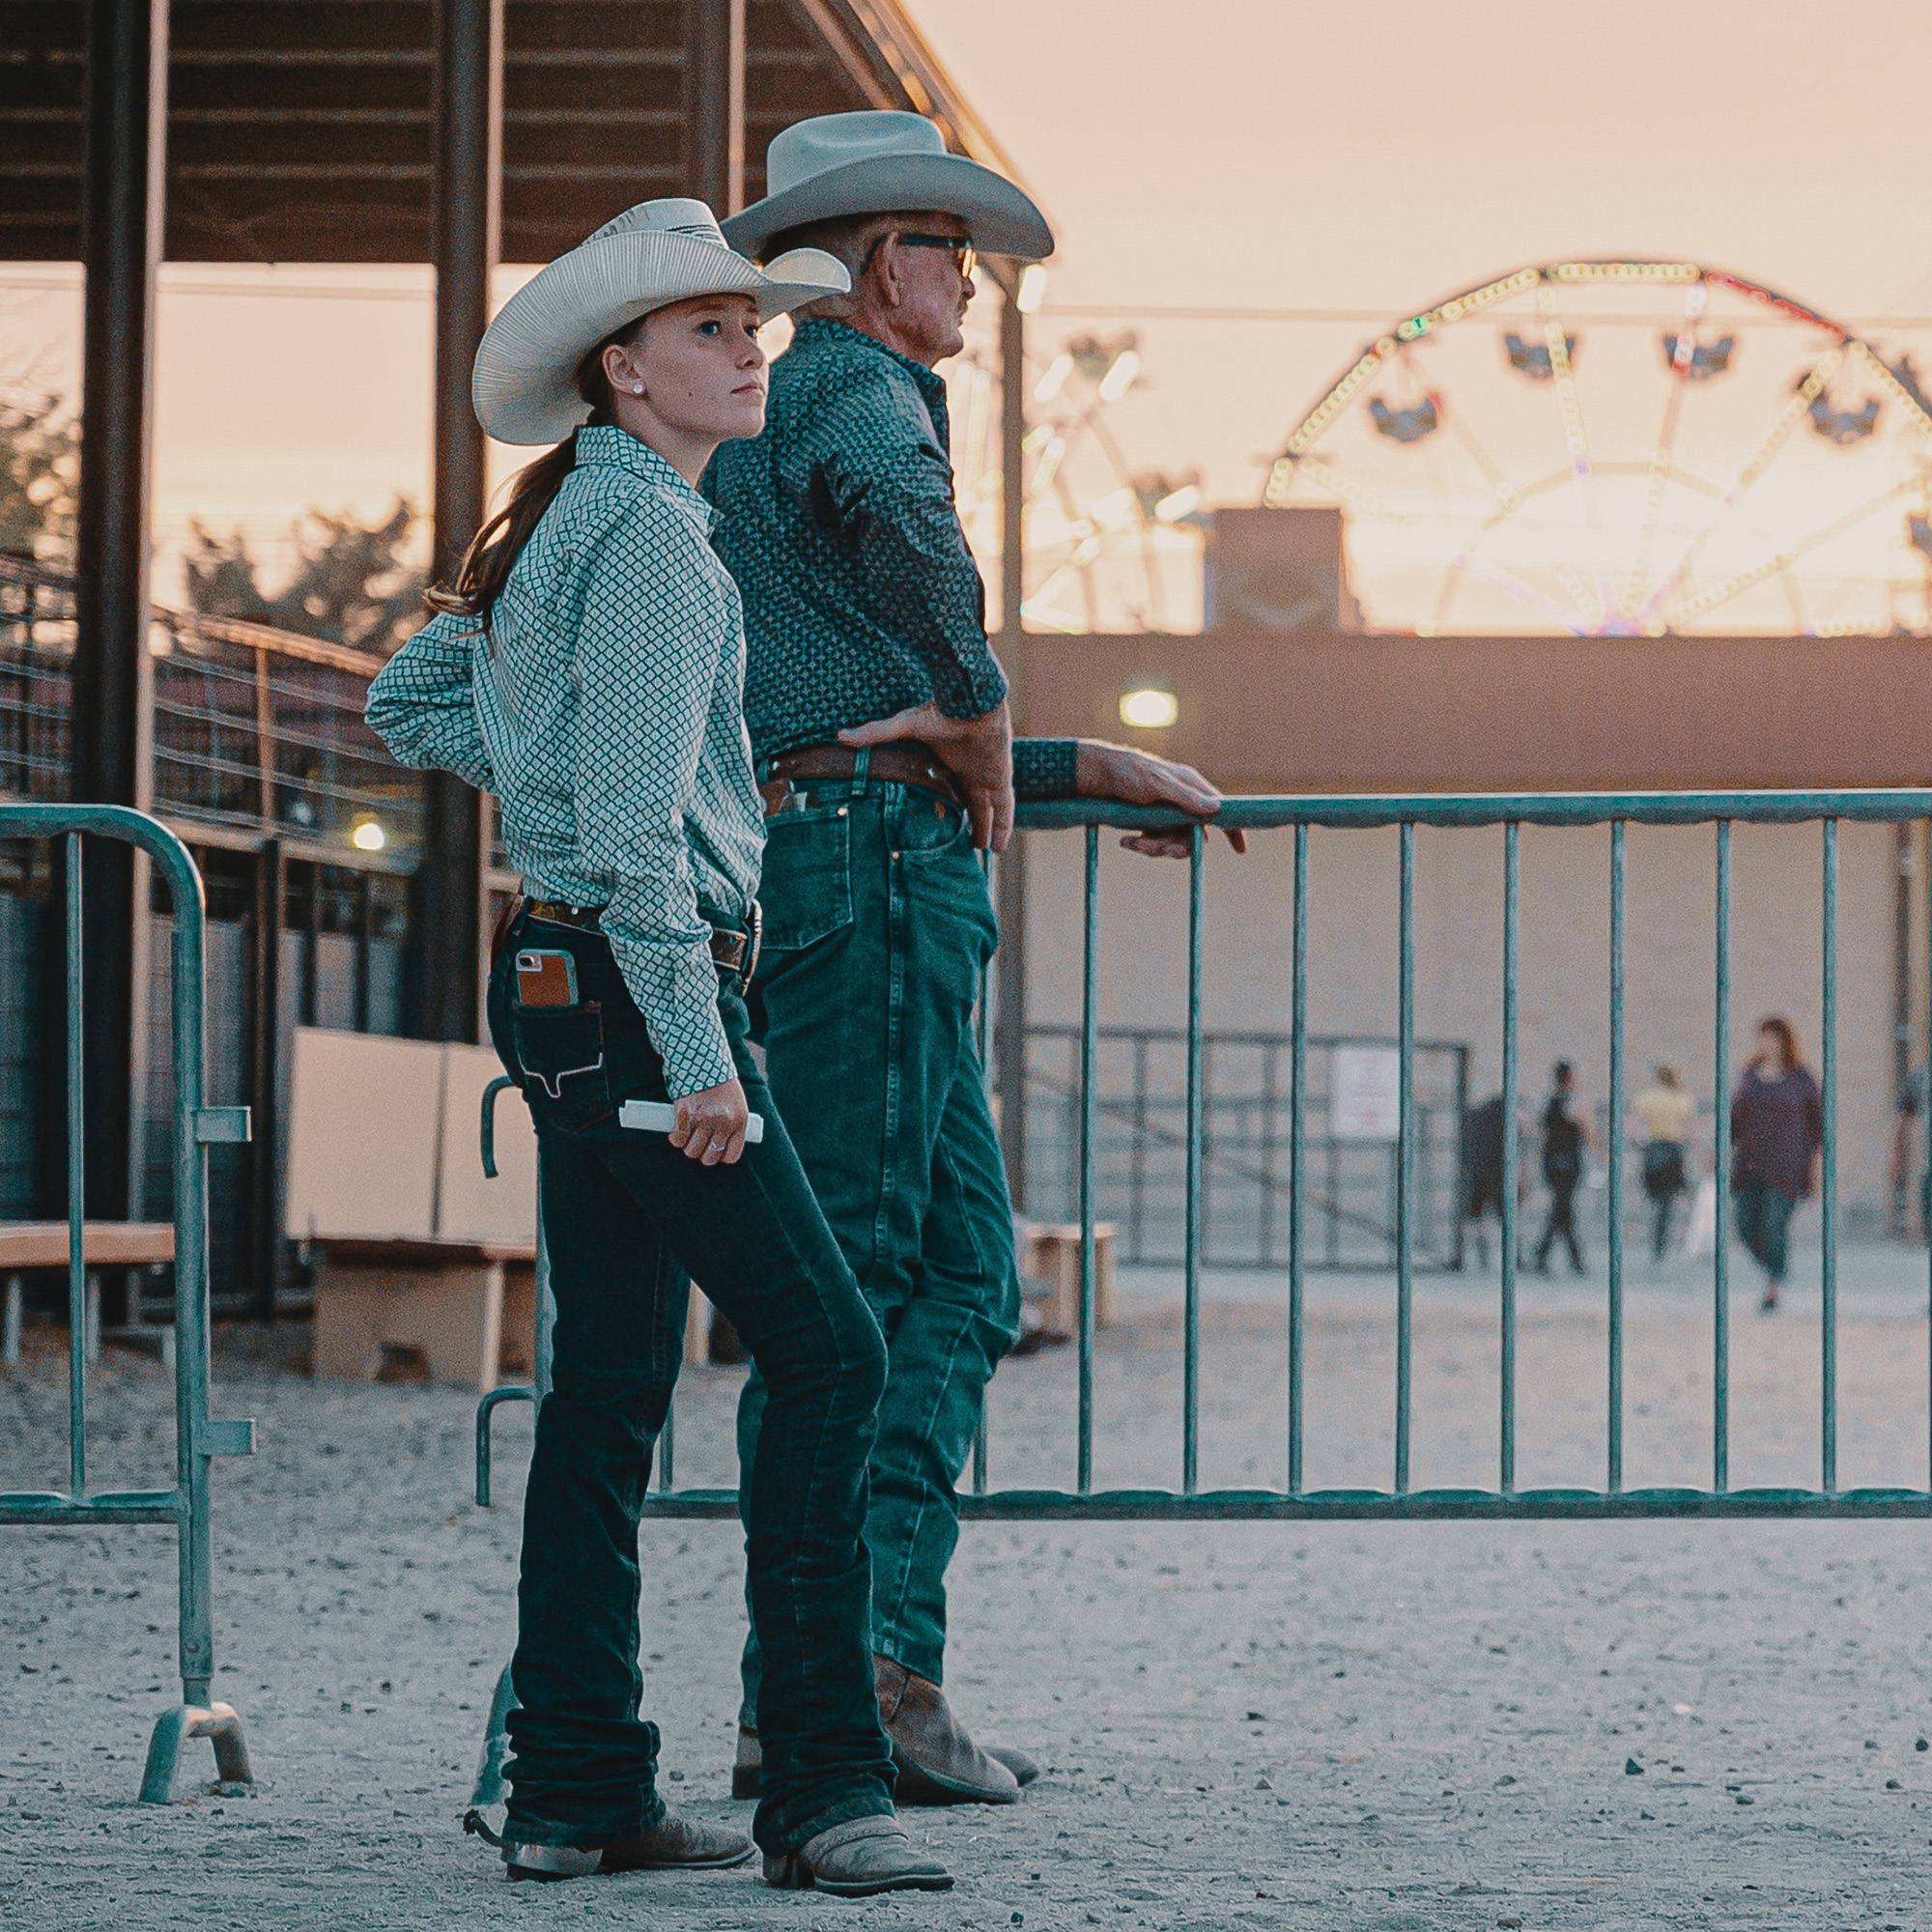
(978, 753)
(1139, 778)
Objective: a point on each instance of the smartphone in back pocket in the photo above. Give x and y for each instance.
(545, 977)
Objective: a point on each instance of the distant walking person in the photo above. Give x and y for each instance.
(1667, 1113)
(1777, 1126)
(1483, 1171)
(1564, 1139)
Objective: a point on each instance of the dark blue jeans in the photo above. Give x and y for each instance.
(1764, 1223)
(877, 929)
(626, 1217)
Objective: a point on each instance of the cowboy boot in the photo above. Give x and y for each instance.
(747, 1768)
(937, 1762)
(857, 1859)
(674, 1843)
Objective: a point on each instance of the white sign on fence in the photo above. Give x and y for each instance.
(1365, 1093)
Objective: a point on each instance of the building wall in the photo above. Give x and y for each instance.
(1327, 712)
(1776, 950)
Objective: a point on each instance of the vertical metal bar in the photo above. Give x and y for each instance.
(190, 975)
(365, 922)
(1297, 1152)
(1010, 1042)
(445, 959)
(1827, 1353)
(979, 1452)
(1720, 1260)
(1616, 1135)
(1512, 1148)
(265, 1061)
(1137, 1165)
(77, 1179)
(714, 102)
(1190, 1418)
(311, 944)
(1090, 1020)
(112, 690)
(1404, 1156)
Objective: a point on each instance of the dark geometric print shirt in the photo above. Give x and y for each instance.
(861, 595)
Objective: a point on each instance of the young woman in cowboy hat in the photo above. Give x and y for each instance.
(586, 666)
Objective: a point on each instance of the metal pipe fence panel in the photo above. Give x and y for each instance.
(1098, 1090)
(195, 1127)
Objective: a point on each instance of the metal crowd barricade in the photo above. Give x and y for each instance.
(1402, 1499)
(198, 1437)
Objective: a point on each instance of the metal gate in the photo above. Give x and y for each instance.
(198, 1437)
(1504, 1496)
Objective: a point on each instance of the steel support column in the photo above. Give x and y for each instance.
(1009, 1028)
(113, 685)
(444, 990)
(714, 102)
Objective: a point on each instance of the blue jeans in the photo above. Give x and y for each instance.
(1763, 1215)
(626, 1218)
(877, 930)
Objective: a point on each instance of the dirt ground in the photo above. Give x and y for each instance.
(1346, 1726)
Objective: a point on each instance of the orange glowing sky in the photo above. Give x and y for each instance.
(1229, 153)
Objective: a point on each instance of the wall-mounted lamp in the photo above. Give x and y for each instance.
(366, 834)
(1150, 707)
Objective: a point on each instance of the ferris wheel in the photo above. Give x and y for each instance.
(1625, 448)
(1109, 545)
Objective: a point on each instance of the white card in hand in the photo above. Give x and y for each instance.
(660, 1116)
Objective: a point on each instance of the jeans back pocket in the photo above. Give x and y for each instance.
(560, 1053)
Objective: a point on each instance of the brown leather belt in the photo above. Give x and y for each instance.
(735, 952)
(904, 763)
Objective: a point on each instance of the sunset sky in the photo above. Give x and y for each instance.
(1234, 154)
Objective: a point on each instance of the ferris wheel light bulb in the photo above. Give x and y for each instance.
(1032, 289)
(1120, 377)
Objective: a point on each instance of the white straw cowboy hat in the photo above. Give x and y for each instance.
(879, 162)
(524, 383)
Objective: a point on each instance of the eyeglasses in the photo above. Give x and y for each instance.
(966, 257)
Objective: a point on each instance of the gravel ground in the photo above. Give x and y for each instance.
(1353, 1727)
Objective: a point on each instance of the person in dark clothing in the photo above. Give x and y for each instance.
(1777, 1127)
(1483, 1170)
(1564, 1139)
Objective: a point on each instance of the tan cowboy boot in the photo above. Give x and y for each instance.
(673, 1843)
(937, 1762)
(748, 1767)
(857, 1859)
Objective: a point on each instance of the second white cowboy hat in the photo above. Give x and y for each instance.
(524, 385)
(878, 161)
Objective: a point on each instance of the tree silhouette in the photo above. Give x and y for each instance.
(40, 469)
(352, 582)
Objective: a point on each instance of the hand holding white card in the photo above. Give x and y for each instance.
(660, 1116)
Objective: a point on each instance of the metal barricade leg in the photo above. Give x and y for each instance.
(489, 1786)
(219, 1725)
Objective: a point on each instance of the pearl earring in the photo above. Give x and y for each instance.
(637, 388)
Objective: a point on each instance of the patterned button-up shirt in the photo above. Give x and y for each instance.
(861, 595)
(604, 708)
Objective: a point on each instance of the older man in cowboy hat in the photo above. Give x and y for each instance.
(877, 712)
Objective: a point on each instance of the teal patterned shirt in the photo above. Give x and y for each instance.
(861, 595)
(604, 708)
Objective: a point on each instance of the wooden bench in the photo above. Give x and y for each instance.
(26, 1246)
(423, 1268)
(1050, 1252)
